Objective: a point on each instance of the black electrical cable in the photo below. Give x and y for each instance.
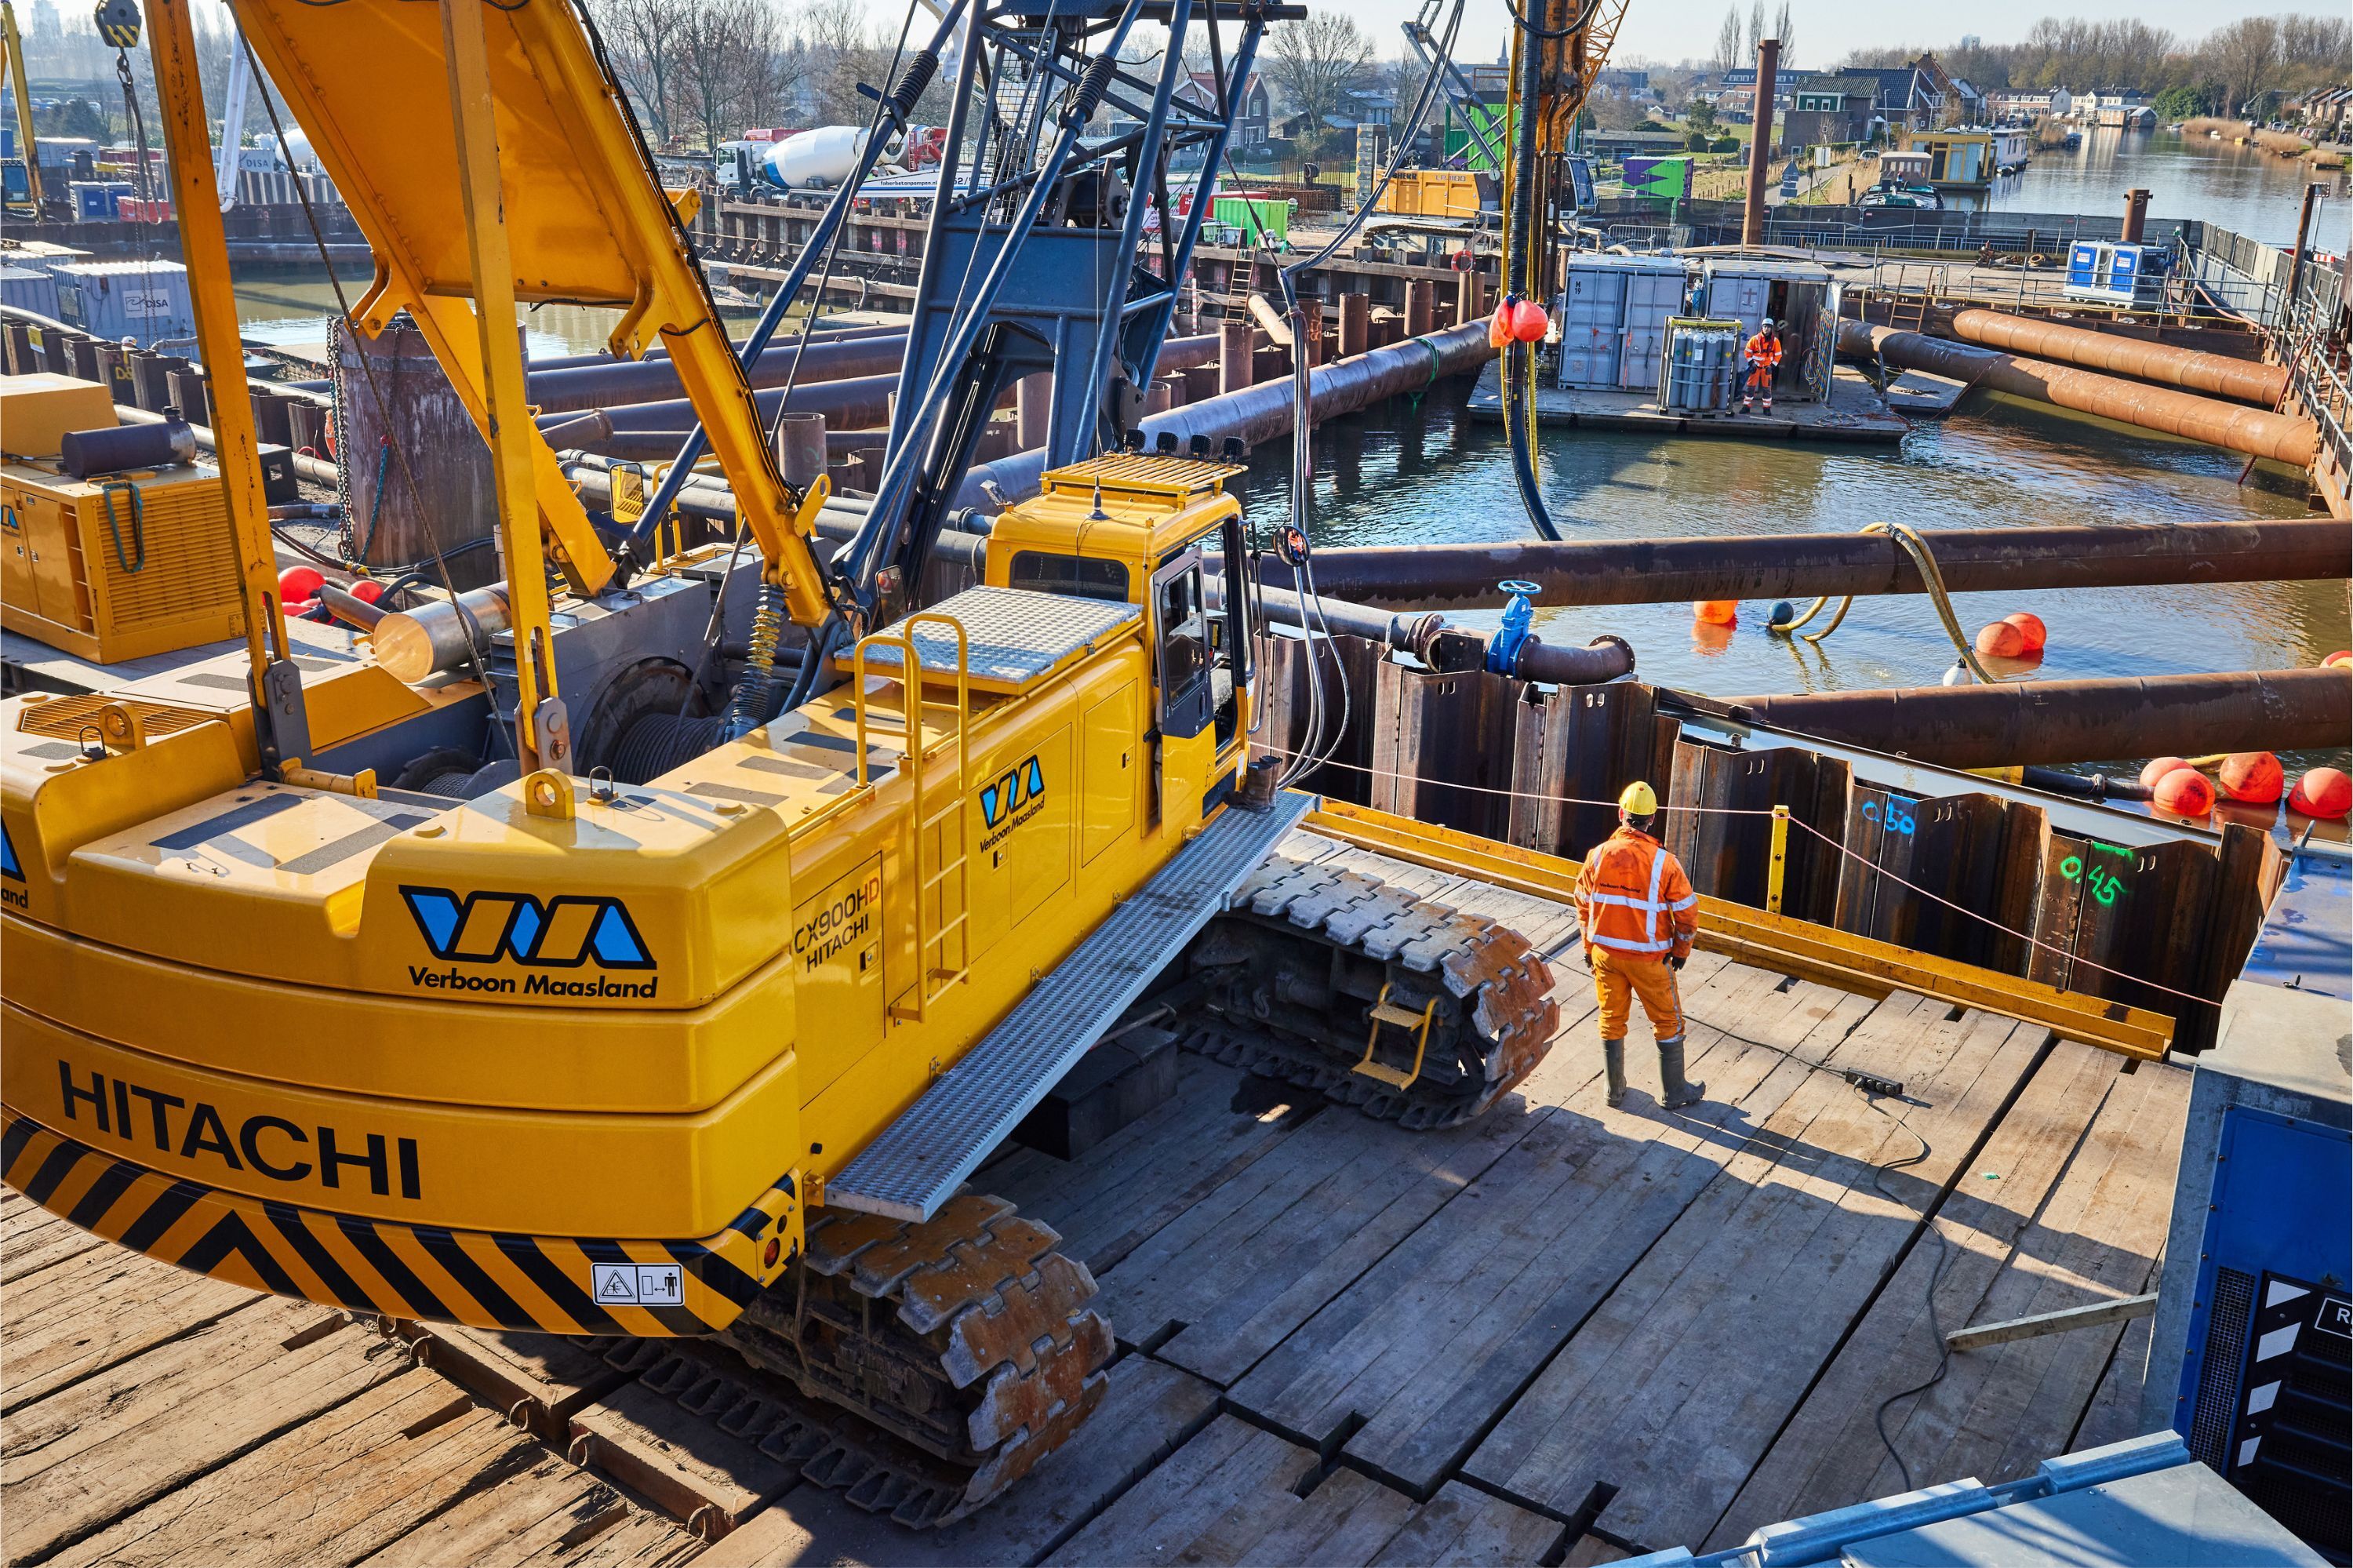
(1520, 239)
(1935, 1277)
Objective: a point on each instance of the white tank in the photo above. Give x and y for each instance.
(816, 160)
(298, 147)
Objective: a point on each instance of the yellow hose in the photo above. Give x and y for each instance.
(1924, 559)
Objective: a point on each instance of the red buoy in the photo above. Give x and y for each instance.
(298, 583)
(2254, 776)
(2185, 792)
(2323, 792)
(2342, 656)
(2030, 628)
(2001, 640)
(367, 589)
(2158, 768)
(1715, 611)
(1529, 322)
(1499, 327)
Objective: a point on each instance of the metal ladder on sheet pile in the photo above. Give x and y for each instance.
(1908, 299)
(942, 881)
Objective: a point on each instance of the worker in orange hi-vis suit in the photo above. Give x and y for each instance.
(1640, 916)
(1763, 354)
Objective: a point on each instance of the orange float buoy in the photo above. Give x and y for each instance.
(2001, 640)
(2254, 776)
(2322, 793)
(2158, 768)
(2342, 656)
(1528, 321)
(2030, 628)
(2185, 792)
(1715, 611)
(298, 583)
(1499, 327)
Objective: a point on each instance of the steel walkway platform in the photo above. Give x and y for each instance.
(919, 1160)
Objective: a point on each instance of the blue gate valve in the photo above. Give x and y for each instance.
(1519, 615)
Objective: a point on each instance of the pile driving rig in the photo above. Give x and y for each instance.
(509, 968)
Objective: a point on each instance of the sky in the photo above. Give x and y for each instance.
(1668, 31)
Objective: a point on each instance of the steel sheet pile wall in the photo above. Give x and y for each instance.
(1970, 876)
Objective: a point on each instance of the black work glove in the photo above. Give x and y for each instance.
(1676, 960)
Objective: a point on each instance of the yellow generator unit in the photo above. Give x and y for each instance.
(1450, 193)
(117, 566)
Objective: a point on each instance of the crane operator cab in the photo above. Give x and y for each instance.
(1138, 528)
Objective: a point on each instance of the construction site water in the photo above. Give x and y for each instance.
(2242, 189)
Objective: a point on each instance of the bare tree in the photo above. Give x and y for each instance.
(844, 50)
(1785, 27)
(1316, 61)
(1755, 25)
(1728, 39)
(643, 38)
(2244, 54)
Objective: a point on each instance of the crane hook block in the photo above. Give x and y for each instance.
(118, 23)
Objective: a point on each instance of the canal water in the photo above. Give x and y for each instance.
(2244, 189)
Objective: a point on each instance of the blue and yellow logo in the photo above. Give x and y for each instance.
(563, 932)
(1016, 789)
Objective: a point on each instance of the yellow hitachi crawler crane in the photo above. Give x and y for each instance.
(693, 1026)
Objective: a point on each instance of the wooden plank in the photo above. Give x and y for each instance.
(1683, 1375)
(2009, 1219)
(1429, 1344)
(32, 1238)
(537, 1381)
(334, 1490)
(1237, 1494)
(1150, 1412)
(709, 1479)
(550, 1510)
(98, 1307)
(92, 1454)
(2096, 1315)
(2114, 1413)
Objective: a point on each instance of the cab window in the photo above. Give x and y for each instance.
(1079, 577)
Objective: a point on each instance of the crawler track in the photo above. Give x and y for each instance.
(1292, 972)
(921, 1368)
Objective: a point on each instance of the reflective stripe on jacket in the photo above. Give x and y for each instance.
(1632, 898)
(1763, 350)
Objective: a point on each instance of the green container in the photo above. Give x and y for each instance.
(1258, 217)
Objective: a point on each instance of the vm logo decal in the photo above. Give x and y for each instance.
(562, 933)
(1025, 783)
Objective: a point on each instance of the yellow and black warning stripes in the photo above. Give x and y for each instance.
(488, 1279)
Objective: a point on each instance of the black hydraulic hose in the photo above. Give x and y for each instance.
(1518, 242)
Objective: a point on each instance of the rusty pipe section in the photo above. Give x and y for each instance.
(2217, 374)
(2254, 431)
(617, 383)
(1260, 413)
(1429, 638)
(1799, 566)
(2076, 721)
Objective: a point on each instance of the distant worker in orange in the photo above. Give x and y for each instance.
(1763, 354)
(1640, 916)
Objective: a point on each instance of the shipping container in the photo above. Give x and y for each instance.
(1614, 312)
(93, 200)
(29, 288)
(145, 301)
(1799, 298)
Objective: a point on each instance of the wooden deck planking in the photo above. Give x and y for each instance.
(1663, 1394)
(90, 1455)
(548, 1513)
(1152, 1411)
(329, 1492)
(1232, 1495)
(1830, 1454)
(94, 1308)
(1432, 1343)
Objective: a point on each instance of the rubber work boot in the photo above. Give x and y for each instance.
(1613, 1064)
(1675, 1090)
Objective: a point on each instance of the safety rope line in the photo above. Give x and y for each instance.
(1797, 820)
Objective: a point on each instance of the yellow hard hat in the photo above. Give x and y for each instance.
(1638, 800)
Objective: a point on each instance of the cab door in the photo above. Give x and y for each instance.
(1183, 693)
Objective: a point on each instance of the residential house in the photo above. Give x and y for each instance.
(2026, 107)
(1828, 109)
(1621, 82)
(2328, 113)
(1252, 125)
(1903, 98)
(1968, 105)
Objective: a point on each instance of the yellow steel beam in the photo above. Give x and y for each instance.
(204, 244)
(1779, 942)
(541, 734)
(12, 44)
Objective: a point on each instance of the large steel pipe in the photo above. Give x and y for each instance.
(2189, 368)
(864, 400)
(2251, 430)
(2078, 721)
(1604, 659)
(1260, 413)
(1799, 566)
(620, 382)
